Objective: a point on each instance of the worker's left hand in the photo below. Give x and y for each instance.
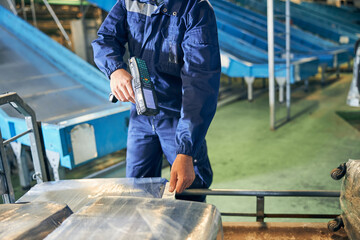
(182, 173)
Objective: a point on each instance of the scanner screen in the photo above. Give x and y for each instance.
(149, 99)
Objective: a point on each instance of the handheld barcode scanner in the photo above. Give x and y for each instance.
(145, 97)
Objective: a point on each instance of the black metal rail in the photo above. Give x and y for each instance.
(260, 201)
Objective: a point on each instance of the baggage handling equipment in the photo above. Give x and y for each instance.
(67, 94)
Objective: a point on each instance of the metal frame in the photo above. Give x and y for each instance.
(271, 63)
(260, 201)
(23, 9)
(270, 31)
(288, 56)
(58, 23)
(22, 2)
(12, 6)
(33, 12)
(23, 170)
(32, 130)
(7, 192)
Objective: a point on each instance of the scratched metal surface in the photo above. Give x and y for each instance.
(50, 92)
(31, 220)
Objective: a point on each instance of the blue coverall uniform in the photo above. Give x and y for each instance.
(178, 40)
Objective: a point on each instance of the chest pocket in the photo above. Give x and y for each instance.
(171, 55)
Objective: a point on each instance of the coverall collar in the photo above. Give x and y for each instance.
(167, 7)
(172, 7)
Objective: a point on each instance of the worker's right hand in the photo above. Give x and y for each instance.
(120, 84)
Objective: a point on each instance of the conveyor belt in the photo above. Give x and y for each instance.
(49, 91)
(68, 95)
(255, 36)
(331, 11)
(327, 28)
(257, 24)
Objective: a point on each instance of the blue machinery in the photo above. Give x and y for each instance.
(242, 36)
(325, 26)
(69, 97)
(341, 15)
(249, 30)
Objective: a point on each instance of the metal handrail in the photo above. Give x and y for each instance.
(261, 193)
(260, 201)
(35, 143)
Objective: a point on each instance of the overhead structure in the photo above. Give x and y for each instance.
(58, 23)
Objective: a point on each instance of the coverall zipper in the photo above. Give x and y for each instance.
(152, 124)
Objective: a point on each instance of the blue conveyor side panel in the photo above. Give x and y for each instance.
(255, 37)
(260, 32)
(343, 20)
(332, 11)
(257, 21)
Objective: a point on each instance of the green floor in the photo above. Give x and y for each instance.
(299, 155)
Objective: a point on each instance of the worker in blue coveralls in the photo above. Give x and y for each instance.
(178, 41)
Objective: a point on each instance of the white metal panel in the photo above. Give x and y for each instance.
(83, 143)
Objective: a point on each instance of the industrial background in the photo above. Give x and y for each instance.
(288, 114)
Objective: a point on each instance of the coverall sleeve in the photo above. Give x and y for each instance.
(109, 47)
(200, 78)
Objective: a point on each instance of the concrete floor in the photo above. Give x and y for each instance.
(299, 155)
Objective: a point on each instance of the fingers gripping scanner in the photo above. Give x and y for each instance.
(145, 97)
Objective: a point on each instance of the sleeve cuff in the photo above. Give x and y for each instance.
(185, 150)
(109, 71)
